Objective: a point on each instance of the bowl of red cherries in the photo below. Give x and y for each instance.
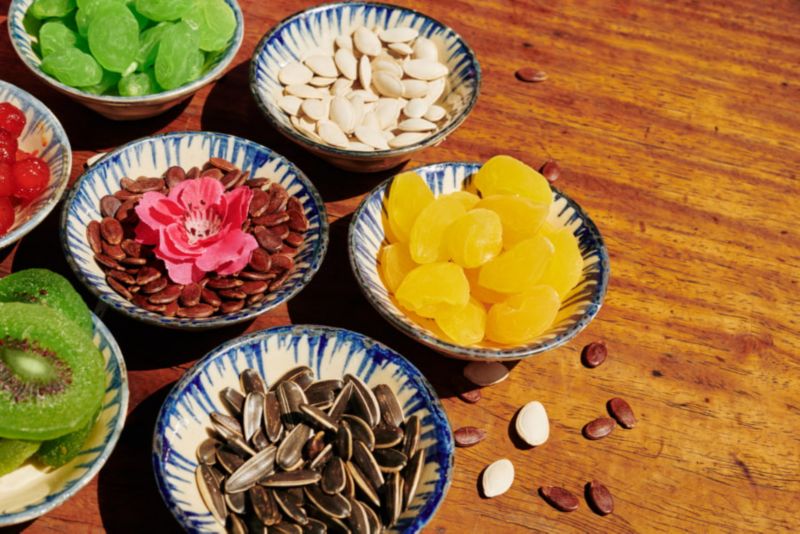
(35, 162)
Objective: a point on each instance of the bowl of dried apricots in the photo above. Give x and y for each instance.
(479, 261)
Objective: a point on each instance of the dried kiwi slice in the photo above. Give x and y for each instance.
(14, 452)
(60, 451)
(51, 374)
(40, 286)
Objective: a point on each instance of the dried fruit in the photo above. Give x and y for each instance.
(431, 288)
(521, 318)
(474, 238)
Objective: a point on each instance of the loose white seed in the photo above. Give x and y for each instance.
(295, 73)
(401, 48)
(305, 125)
(346, 62)
(305, 91)
(415, 108)
(387, 64)
(341, 87)
(361, 147)
(357, 103)
(370, 119)
(425, 49)
(485, 373)
(407, 138)
(344, 41)
(435, 90)
(319, 81)
(414, 88)
(388, 135)
(290, 104)
(366, 96)
(398, 35)
(435, 113)
(365, 72)
(331, 133)
(424, 69)
(314, 109)
(532, 425)
(498, 478)
(372, 137)
(416, 125)
(388, 111)
(342, 113)
(387, 84)
(366, 42)
(323, 66)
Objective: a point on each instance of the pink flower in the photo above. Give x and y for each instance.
(197, 229)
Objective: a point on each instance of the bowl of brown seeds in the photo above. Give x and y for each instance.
(303, 429)
(210, 263)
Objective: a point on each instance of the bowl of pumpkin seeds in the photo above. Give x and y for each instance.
(364, 85)
(303, 429)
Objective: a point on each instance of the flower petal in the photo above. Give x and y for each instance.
(183, 272)
(197, 193)
(228, 255)
(154, 211)
(238, 204)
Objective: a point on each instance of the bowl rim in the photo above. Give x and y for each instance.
(177, 323)
(58, 132)
(481, 353)
(333, 151)
(110, 445)
(184, 90)
(435, 405)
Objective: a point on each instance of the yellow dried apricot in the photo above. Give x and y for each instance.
(474, 238)
(465, 325)
(487, 296)
(504, 175)
(518, 268)
(521, 318)
(521, 217)
(564, 270)
(431, 288)
(395, 264)
(465, 197)
(408, 196)
(426, 242)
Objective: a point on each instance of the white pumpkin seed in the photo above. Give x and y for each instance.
(341, 87)
(388, 111)
(314, 109)
(365, 72)
(424, 69)
(435, 113)
(388, 65)
(370, 119)
(435, 90)
(387, 84)
(366, 42)
(360, 147)
(401, 48)
(332, 134)
(414, 88)
(342, 113)
(305, 125)
(305, 91)
(366, 96)
(346, 62)
(498, 478)
(388, 135)
(415, 108)
(357, 101)
(398, 35)
(344, 42)
(319, 81)
(407, 138)
(425, 49)
(323, 66)
(416, 125)
(485, 373)
(371, 137)
(295, 73)
(532, 425)
(290, 104)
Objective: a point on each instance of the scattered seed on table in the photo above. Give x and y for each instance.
(599, 428)
(594, 354)
(530, 75)
(620, 410)
(559, 498)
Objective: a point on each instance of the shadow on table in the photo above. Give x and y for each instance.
(231, 108)
(16, 529)
(128, 497)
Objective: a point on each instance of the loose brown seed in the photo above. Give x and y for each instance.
(111, 230)
(471, 396)
(259, 203)
(297, 221)
(620, 410)
(222, 164)
(174, 176)
(600, 498)
(272, 219)
(131, 248)
(196, 312)
(118, 287)
(109, 205)
(231, 179)
(294, 239)
(122, 277)
(257, 183)
(190, 295)
(171, 309)
(267, 239)
(250, 275)
(530, 75)
(282, 261)
(124, 195)
(147, 275)
(210, 298)
(254, 288)
(93, 237)
(468, 436)
(278, 282)
(157, 285)
(551, 170)
(231, 306)
(224, 283)
(113, 251)
(192, 173)
(232, 294)
(594, 354)
(599, 428)
(282, 230)
(127, 212)
(145, 185)
(278, 198)
(559, 498)
(135, 262)
(212, 173)
(107, 261)
(260, 260)
(170, 294)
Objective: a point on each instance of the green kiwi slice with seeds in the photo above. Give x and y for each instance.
(14, 452)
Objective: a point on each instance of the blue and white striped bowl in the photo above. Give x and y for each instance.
(183, 422)
(119, 107)
(308, 31)
(45, 135)
(577, 310)
(151, 156)
(30, 492)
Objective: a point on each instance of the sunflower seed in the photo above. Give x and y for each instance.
(210, 493)
(391, 412)
(257, 467)
(390, 460)
(263, 502)
(387, 436)
(259, 440)
(411, 476)
(235, 441)
(236, 525)
(369, 466)
(236, 502)
(324, 455)
(314, 526)
(229, 460)
(411, 438)
(207, 451)
(226, 422)
(349, 490)
(360, 430)
(318, 418)
(365, 400)
(291, 506)
(272, 417)
(358, 517)
(374, 521)
(320, 398)
(333, 477)
(393, 498)
(291, 479)
(290, 451)
(362, 482)
(252, 414)
(315, 445)
(344, 441)
(251, 380)
(340, 402)
(286, 528)
(333, 505)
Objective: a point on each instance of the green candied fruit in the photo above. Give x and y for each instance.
(143, 21)
(87, 10)
(43, 9)
(198, 65)
(148, 44)
(163, 9)
(61, 451)
(177, 54)
(114, 37)
(215, 21)
(108, 81)
(73, 67)
(138, 84)
(55, 36)
(14, 453)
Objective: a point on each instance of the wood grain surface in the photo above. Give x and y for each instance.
(678, 128)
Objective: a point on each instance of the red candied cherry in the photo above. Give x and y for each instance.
(6, 215)
(12, 119)
(21, 154)
(7, 185)
(8, 147)
(31, 177)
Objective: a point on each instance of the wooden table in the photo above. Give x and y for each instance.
(678, 128)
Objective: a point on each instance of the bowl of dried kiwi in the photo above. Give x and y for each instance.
(479, 261)
(63, 394)
(303, 426)
(126, 60)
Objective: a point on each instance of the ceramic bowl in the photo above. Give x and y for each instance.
(31, 491)
(183, 422)
(151, 156)
(45, 135)
(119, 107)
(577, 310)
(298, 36)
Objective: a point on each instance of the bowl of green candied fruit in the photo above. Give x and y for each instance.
(127, 59)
